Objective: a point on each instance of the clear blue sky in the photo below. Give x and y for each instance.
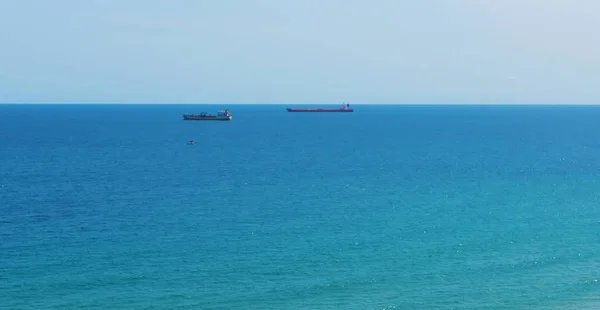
(301, 51)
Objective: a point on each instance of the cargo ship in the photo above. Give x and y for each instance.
(344, 108)
(222, 115)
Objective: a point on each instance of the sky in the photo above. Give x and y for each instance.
(300, 51)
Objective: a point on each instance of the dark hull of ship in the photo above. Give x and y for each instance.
(205, 118)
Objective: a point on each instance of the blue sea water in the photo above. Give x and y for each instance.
(389, 207)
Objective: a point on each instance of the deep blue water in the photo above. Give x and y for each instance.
(389, 207)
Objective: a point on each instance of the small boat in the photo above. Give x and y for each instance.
(222, 115)
(343, 108)
(191, 142)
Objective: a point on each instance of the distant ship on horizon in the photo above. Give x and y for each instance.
(345, 107)
(222, 115)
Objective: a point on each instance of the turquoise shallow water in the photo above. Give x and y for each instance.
(390, 207)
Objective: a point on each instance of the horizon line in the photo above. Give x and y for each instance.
(290, 104)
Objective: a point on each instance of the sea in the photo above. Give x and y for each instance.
(388, 207)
